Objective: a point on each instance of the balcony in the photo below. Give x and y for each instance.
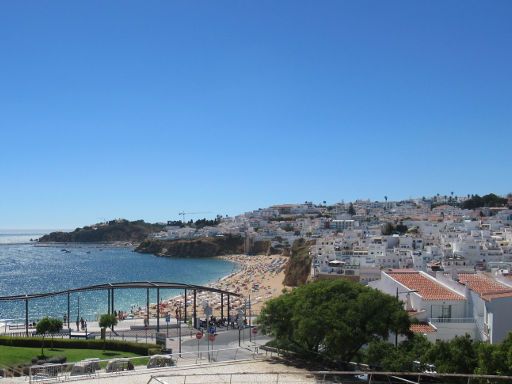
(459, 320)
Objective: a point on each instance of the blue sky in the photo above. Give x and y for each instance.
(144, 109)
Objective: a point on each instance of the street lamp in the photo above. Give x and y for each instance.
(397, 292)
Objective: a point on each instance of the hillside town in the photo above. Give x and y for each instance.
(450, 265)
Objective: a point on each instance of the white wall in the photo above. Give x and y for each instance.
(501, 310)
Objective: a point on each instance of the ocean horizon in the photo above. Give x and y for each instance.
(22, 236)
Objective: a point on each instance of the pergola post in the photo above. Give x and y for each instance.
(147, 306)
(222, 306)
(69, 307)
(26, 317)
(108, 306)
(229, 311)
(158, 309)
(195, 313)
(112, 301)
(185, 305)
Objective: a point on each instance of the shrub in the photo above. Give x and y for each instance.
(113, 345)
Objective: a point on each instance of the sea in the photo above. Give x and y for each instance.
(27, 267)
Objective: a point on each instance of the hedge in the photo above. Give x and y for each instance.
(142, 349)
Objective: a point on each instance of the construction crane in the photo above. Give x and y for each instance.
(182, 214)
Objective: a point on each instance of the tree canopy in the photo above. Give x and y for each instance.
(332, 318)
(107, 320)
(389, 229)
(459, 355)
(490, 200)
(48, 325)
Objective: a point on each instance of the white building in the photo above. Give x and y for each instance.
(450, 305)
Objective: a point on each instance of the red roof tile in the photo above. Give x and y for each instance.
(485, 286)
(427, 288)
(422, 328)
(492, 296)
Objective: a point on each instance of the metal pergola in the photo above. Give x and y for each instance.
(111, 287)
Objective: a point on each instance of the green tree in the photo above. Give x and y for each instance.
(387, 229)
(385, 356)
(48, 325)
(332, 319)
(463, 354)
(503, 355)
(55, 327)
(351, 210)
(400, 228)
(490, 359)
(455, 356)
(107, 320)
(490, 200)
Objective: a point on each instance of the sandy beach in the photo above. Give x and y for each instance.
(258, 277)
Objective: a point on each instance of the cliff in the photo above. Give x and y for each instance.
(299, 267)
(202, 247)
(116, 230)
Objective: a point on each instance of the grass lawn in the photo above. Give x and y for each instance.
(10, 356)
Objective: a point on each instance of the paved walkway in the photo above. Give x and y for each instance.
(237, 372)
(251, 371)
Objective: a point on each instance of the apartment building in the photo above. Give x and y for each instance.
(451, 304)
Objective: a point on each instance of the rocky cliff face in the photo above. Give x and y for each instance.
(299, 267)
(203, 247)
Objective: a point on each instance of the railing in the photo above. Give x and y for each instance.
(7, 371)
(482, 329)
(458, 320)
(290, 377)
(106, 368)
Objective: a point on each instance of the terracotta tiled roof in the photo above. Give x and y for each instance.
(492, 296)
(485, 286)
(422, 328)
(427, 288)
(401, 270)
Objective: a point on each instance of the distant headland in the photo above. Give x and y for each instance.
(111, 231)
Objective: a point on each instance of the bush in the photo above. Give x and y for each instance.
(113, 345)
(51, 360)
